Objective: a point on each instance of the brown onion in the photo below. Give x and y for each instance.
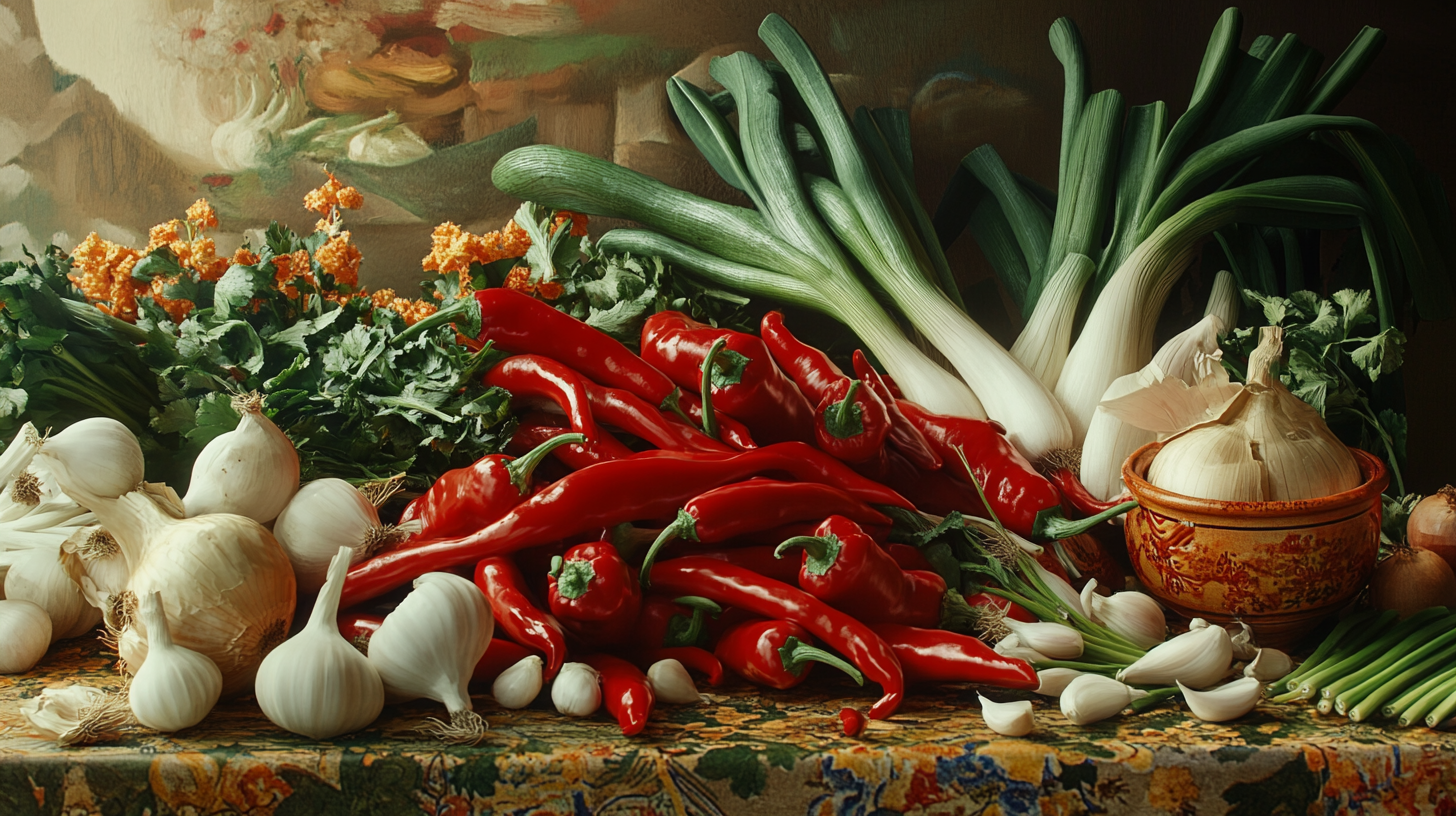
(1432, 524)
(1411, 580)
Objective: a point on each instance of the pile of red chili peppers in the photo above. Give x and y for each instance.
(722, 499)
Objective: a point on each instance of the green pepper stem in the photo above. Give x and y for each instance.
(522, 466)
(684, 526)
(843, 419)
(673, 402)
(710, 422)
(795, 654)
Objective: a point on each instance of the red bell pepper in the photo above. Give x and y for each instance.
(535, 428)
(466, 498)
(626, 692)
(735, 586)
(516, 614)
(648, 485)
(531, 378)
(672, 622)
(499, 656)
(693, 658)
(775, 653)
(745, 382)
(851, 423)
(594, 594)
(938, 656)
(846, 569)
(904, 436)
(733, 510)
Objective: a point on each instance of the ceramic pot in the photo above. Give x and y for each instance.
(1280, 567)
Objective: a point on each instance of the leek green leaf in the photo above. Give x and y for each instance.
(712, 135)
(1347, 68)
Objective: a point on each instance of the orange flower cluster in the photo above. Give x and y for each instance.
(328, 199)
(341, 259)
(412, 311)
(104, 275)
(453, 250)
(288, 268)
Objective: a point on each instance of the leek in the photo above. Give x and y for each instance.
(1042, 346)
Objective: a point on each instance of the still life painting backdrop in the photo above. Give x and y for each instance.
(117, 114)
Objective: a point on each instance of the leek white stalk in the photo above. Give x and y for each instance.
(1223, 302)
(1008, 719)
(1227, 702)
(1198, 658)
(1044, 342)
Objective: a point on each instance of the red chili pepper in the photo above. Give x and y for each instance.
(735, 586)
(745, 382)
(535, 428)
(626, 692)
(626, 411)
(935, 491)
(809, 368)
(672, 622)
(499, 656)
(938, 656)
(730, 430)
(516, 614)
(759, 558)
(530, 377)
(775, 653)
(1009, 608)
(904, 436)
(358, 627)
(851, 423)
(908, 557)
(1077, 494)
(846, 569)
(693, 658)
(648, 485)
(757, 504)
(593, 593)
(466, 498)
(852, 721)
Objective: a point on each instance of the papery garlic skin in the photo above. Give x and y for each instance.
(1227, 702)
(94, 560)
(429, 645)
(1092, 698)
(322, 516)
(1198, 658)
(316, 683)
(672, 684)
(1243, 643)
(37, 575)
(1052, 682)
(1008, 719)
(96, 456)
(520, 684)
(1054, 640)
(1269, 665)
(1011, 646)
(251, 470)
(1133, 615)
(176, 688)
(577, 690)
(75, 715)
(25, 634)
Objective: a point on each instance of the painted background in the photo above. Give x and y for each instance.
(117, 114)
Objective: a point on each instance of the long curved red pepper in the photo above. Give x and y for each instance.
(746, 383)
(535, 428)
(517, 615)
(594, 594)
(626, 692)
(846, 569)
(938, 656)
(648, 485)
(693, 658)
(809, 368)
(735, 586)
(760, 558)
(757, 504)
(626, 411)
(774, 652)
(730, 430)
(904, 436)
(536, 378)
(465, 498)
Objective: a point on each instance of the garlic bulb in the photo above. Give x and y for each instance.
(1054, 640)
(1133, 615)
(1227, 702)
(25, 634)
(94, 457)
(76, 715)
(317, 684)
(519, 685)
(1093, 697)
(229, 587)
(18, 454)
(1008, 719)
(1269, 665)
(1266, 445)
(93, 559)
(322, 516)
(429, 645)
(1199, 658)
(36, 575)
(1051, 682)
(251, 470)
(176, 687)
(577, 690)
(672, 684)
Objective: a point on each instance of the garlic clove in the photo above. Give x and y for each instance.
(1199, 658)
(1093, 697)
(1227, 702)
(1243, 643)
(577, 690)
(1011, 646)
(1054, 681)
(322, 516)
(1269, 665)
(519, 685)
(76, 714)
(1054, 640)
(1008, 719)
(25, 634)
(671, 683)
(176, 687)
(251, 470)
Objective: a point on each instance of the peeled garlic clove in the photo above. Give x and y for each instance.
(1054, 640)
(1092, 698)
(577, 690)
(251, 470)
(1243, 643)
(75, 715)
(25, 634)
(671, 683)
(1009, 719)
(1054, 681)
(1269, 665)
(1133, 615)
(1011, 646)
(1227, 702)
(519, 685)
(37, 575)
(1199, 658)
(176, 687)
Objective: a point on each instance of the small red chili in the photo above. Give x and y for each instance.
(775, 653)
(534, 379)
(626, 692)
(852, 721)
(904, 436)
(594, 594)
(851, 423)
(846, 569)
(938, 656)
(516, 614)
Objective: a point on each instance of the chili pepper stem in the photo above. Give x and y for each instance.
(795, 653)
(710, 422)
(524, 465)
(823, 551)
(845, 420)
(684, 526)
(673, 402)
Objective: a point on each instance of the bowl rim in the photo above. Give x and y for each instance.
(1377, 477)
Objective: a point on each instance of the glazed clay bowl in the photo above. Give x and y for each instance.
(1280, 567)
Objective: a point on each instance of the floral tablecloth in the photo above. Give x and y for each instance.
(742, 751)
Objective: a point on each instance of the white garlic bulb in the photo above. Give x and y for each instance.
(1008, 719)
(1133, 615)
(317, 684)
(322, 516)
(577, 690)
(37, 575)
(1198, 658)
(518, 685)
(1093, 697)
(94, 457)
(76, 714)
(1055, 640)
(251, 470)
(94, 560)
(176, 687)
(429, 645)
(1227, 702)
(25, 634)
